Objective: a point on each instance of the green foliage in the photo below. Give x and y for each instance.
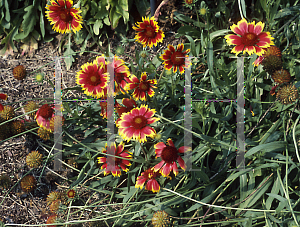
(18, 20)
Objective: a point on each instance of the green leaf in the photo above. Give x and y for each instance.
(182, 18)
(29, 19)
(218, 33)
(122, 8)
(98, 24)
(210, 57)
(142, 6)
(9, 47)
(192, 42)
(42, 24)
(263, 187)
(283, 13)
(7, 12)
(278, 197)
(69, 54)
(114, 17)
(267, 146)
(189, 30)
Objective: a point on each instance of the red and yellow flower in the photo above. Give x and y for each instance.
(121, 72)
(249, 38)
(93, 79)
(114, 164)
(176, 58)
(121, 75)
(44, 115)
(3, 97)
(71, 193)
(148, 176)
(135, 124)
(64, 16)
(148, 32)
(128, 105)
(169, 155)
(141, 86)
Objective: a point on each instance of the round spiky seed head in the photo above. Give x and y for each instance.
(5, 131)
(272, 50)
(52, 196)
(4, 181)
(19, 72)
(287, 94)
(7, 113)
(281, 76)
(30, 106)
(54, 206)
(160, 219)
(17, 127)
(56, 121)
(34, 159)
(51, 220)
(44, 134)
(28, 183)
(271, 63)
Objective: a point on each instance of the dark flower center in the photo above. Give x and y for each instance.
(150, 32)
(114, 161)
(65, 16)
(144, 86)
(71, 193)
(169, 154)
(94, 79)
(139, 122)
(177, 58)
(46, 111)
(250, 39)
(119, 77)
